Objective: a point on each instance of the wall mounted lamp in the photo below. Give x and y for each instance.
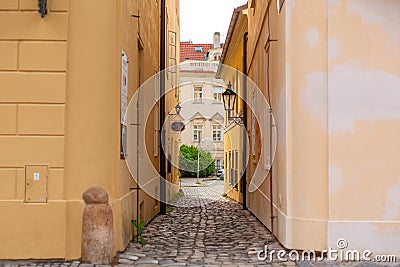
(42, 8)
(178, 109)
(229, 99)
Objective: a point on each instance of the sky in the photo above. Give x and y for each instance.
(200, 19)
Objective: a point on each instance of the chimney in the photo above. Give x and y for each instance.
(217, 40)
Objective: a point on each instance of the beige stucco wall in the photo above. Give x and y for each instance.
(201, 73)
(363, 170)
(60, 107)
(333, 73)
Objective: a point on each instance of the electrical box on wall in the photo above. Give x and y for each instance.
(36, 183)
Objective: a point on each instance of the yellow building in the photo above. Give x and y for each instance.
(60, 122)
(231, 71)
(331, 72)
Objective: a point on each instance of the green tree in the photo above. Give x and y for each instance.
(188, 162)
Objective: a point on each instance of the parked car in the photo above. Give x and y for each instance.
(220, 174)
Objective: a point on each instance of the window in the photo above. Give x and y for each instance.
(217, 133)
(217, 164)
(217, 92)
(198, 49)
(197, 129)
(172, 68)
(253, 123)
(156, 130)
(230, 167)
(156, 87)
(236, 169)
(198, 94)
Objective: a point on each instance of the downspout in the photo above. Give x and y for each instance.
(163, 183)
(245, 156)
(270, 173)
(138, 133)
(271, 126)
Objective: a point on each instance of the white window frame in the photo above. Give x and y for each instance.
(196, 98)
(217, 94)
(197, 129)
(217, 131)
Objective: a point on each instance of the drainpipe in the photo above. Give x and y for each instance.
(163, 183)
(271, 126)
(245, 156)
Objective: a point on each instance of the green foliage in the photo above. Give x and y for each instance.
(188, 162)
(139, 230)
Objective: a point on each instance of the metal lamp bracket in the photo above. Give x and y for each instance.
(42, 8)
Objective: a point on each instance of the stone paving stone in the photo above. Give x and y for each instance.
(125, 261)
(204, 229)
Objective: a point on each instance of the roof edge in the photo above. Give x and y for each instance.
(231, 28)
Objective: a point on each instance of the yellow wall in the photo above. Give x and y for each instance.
(32, 103)
(60, 107)
(231, 71)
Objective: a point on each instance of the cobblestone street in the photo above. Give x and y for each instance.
(197, 194)
(213, 234)
(204, 229)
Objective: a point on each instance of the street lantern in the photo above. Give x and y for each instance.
(178, 109)
(229, 98)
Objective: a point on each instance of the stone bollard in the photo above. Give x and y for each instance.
(97, 228)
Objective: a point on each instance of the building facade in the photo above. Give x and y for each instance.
(63, 78)
(231, 71)
(201, 98)
(330, 71)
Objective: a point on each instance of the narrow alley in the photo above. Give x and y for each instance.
(239, 133)
(203, 229)
(200, 232)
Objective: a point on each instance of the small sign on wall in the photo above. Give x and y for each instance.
(124, 88)
(124, 103)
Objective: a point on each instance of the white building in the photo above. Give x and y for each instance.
(201, 99)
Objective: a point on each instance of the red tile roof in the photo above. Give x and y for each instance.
(188, 52)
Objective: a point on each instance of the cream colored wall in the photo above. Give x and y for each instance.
(208, 108)
(363, 119)
(67, 116)
(173, 98)
(333, 101)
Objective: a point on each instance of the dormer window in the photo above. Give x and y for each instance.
(198, 49)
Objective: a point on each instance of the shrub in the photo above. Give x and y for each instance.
(188, 162)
